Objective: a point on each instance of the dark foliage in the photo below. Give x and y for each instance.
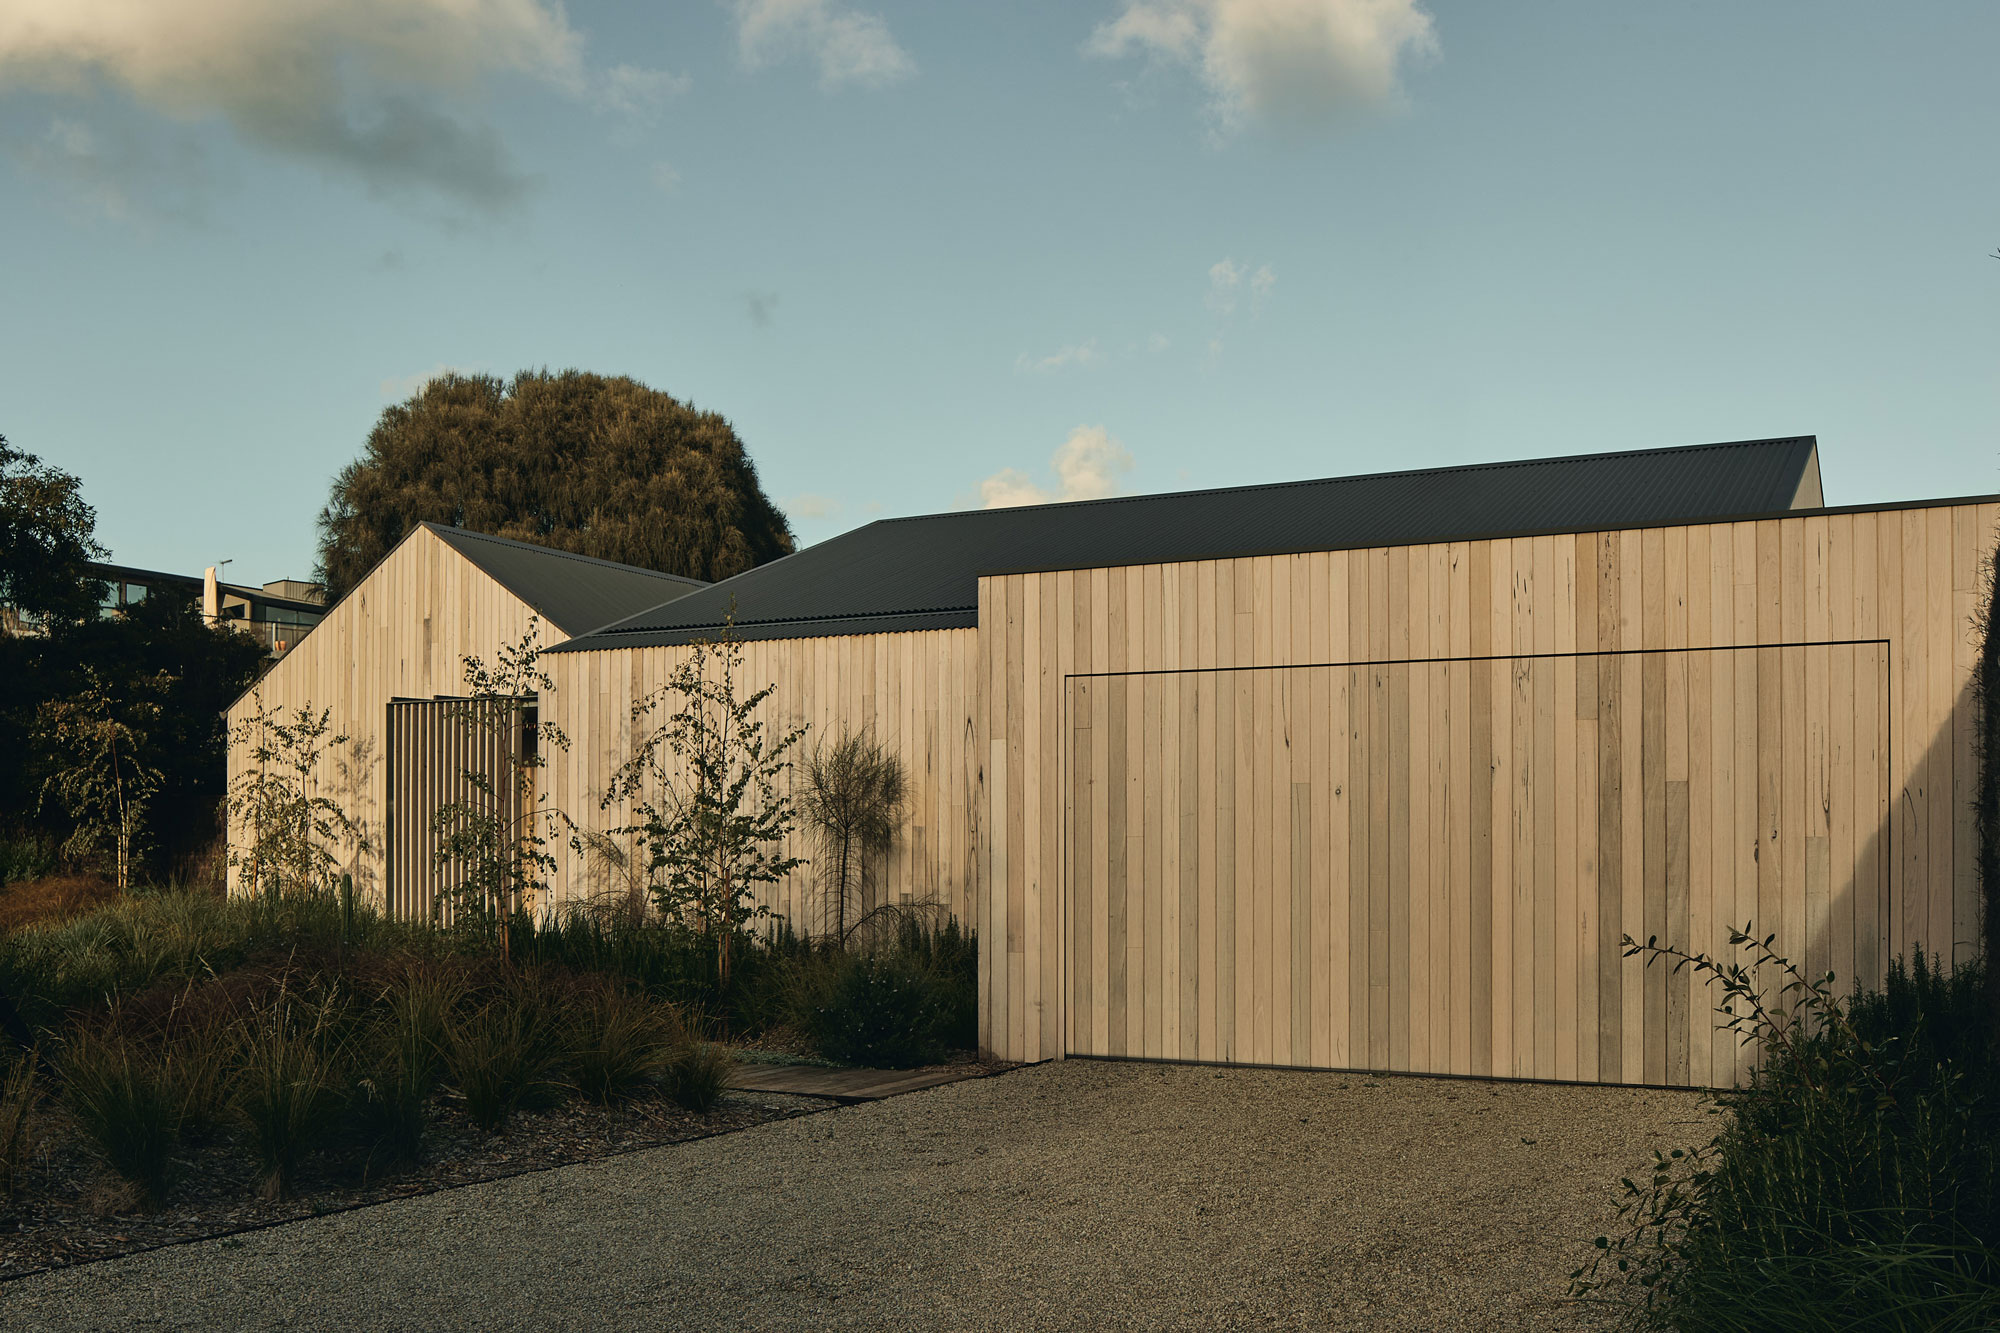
(1986, 799)
(910, 1002)
(157, 653)
(47, 533)
(602, 466)
(1855, 1186)
(669, 962)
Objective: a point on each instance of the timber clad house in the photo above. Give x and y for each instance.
(1371, 772)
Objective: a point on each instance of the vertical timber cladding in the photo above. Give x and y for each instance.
(1594, 605)
(913, 692)
(1411, 866)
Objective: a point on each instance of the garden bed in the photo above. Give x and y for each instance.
(71, 1210)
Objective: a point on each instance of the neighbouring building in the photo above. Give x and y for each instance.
(277, 615)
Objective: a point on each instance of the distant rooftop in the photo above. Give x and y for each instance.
(923, 572)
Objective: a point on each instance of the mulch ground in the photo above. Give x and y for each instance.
(69, 1209)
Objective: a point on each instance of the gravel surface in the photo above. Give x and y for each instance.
(1070, 1195)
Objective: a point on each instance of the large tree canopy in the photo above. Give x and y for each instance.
(47, 532)
(601, 466)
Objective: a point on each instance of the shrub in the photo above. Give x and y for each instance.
(619, 1041)
(697, 1075)
(507, 1056)
(1857, 1184)
(885, 1007)
(952, 955)
(123, 1098)
(289, 1085)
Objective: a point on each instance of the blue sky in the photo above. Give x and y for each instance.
(927, 255)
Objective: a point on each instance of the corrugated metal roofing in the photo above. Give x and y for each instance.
(574, 593)
(923, 573)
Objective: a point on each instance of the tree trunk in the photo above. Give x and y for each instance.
(840, 891)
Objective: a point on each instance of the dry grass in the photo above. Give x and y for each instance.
(52, 898)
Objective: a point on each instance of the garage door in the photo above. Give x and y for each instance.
(1428, 866)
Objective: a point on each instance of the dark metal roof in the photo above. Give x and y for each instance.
(923, 573)
(574, 593)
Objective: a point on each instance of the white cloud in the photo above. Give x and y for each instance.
(1087, 467)
(400, 387)
(809, 505)
(849, 47)
(665, 178)
(1229, 280)
(1077, 354)
(367, 88)
(1284, 61)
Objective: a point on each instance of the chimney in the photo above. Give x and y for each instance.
(211, 596)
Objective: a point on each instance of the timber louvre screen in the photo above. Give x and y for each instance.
(1442, 855)
(434, 747)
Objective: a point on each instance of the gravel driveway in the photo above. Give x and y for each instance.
(1072, 1195)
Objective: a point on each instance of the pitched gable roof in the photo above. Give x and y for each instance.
(923, 572)
(574, 593)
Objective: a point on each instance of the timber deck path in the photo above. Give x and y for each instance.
(846, 1086)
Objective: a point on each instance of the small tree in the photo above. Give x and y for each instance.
(707, 808)
(93, 743)
(853, 801)
(500, 845)
(292, 828)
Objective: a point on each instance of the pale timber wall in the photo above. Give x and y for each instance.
(914, 692)
(402, 632)
(1421, 853)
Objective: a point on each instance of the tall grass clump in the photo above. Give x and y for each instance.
(401, 1060)
(619, 1040)
(1856, 1182)
(123, 1096)
(696, 1076)
(507, 1055)
(290, 1083)
(20, 1098)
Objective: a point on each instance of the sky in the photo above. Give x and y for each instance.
(934, 254)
